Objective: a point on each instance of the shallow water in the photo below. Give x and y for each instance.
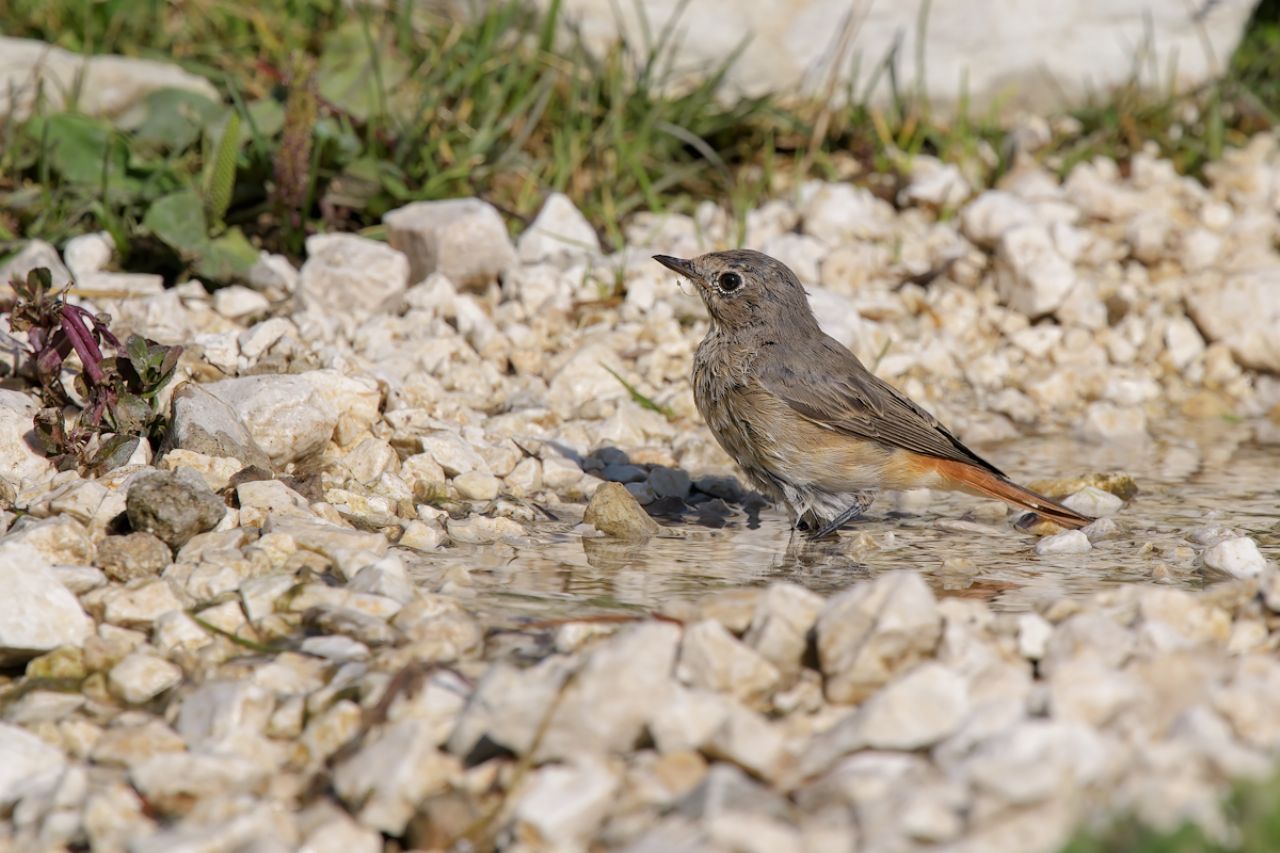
(1187, 478)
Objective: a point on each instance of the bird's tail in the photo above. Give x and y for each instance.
(976, 481)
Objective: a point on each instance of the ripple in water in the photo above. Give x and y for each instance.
(963, 546)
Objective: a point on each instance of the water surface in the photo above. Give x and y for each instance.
(1188, 478)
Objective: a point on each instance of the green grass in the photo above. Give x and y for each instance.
(1252, 813)
(346, 112)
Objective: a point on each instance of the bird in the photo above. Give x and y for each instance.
(808, 424)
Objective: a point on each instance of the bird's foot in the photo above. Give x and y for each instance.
(815, 533)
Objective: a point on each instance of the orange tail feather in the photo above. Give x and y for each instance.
(970, 478)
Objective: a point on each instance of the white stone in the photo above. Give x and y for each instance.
(1093, 502)
(237, 301)
(141, 677)
(384, 782)
(869, 633)
(1241, 310)
(1105, 422)
(1050, 56)
(1065, 542)
(140, 605)
(619, 689)
(780, 626)
(1183, 342)
(916, 711)
(1034, 632)
(1032, 276)
(476, 486)
(27, 765)
(837, 316)
(285, 415)
(260, 337)
(273, 272)
(482, 530)
(712, 658)
(564, 804)
(33, 254)
(688, 719)
(837, 213)
(89, 253)
(464, 239)
(1238, 557)
(37, 613)
(101, 85)
(20, 462)
(453, 453)
(559, 233)
(346, 274)
(991, 214)
(934, 183)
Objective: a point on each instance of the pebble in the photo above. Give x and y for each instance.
(1093, 502)
(133, 555)
(37, 613)
(1238, 557)
(476, 486)
(1066, 542)
(464, 240)
(615, 512)
(345, 273)
(141, 677)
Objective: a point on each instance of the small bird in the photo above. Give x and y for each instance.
(804, 419)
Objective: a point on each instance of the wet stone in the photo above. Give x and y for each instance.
(613, 511)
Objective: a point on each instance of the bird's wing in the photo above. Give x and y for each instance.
(828, 385)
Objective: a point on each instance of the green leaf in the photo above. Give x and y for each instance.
(355, 78)
(174, 118)
(226, 258)
(139, 356)
(130, 414)
(178, 220)
(267, 115)
(114, 452)
(220, 171)
(80, 147)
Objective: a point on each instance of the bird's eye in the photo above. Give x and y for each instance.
(729, 281)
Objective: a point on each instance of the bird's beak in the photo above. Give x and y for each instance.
(678, 265)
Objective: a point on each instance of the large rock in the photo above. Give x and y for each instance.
(285, 415)
(203, 423)
(27, 764)
(559, 233)
(464, 239)
(1051, 54)
(1242, 310)
(100, 85)
(37, 613)
(34, 253)
(19, 461)
(345, 273)
(868, 634)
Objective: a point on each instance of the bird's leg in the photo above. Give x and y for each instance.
(854, 510)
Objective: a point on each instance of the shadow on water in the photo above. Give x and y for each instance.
(964, 547)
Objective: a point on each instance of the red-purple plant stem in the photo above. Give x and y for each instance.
(85, 346)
